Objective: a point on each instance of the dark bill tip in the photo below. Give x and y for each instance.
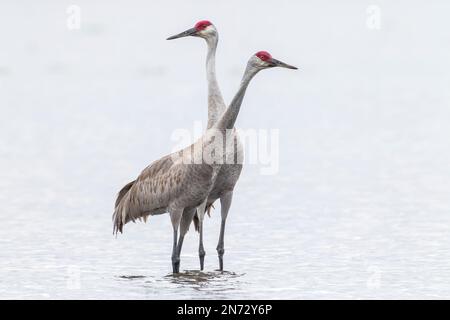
(186, 33)
(278, 63)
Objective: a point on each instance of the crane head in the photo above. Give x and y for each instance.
(203, 29)
(264, 60)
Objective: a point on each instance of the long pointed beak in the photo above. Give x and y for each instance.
(186, 33)
(278, 63)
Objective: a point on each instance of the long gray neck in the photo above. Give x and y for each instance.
(216, 105)
(228, 118)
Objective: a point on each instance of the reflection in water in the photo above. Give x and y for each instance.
(192, 277)
(217, 283)
(131, 277)
(213, 282)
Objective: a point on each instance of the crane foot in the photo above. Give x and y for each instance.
(220, 252)
(220, 263)
(202, 262)
(176, 265)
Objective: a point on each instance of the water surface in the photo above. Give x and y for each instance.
(358, 209)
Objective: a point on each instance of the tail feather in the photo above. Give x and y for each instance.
(121, 217)
(197, 222)
(128, 209)
(119, 211)
(123, 192)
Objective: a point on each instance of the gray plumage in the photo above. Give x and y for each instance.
(227, 177)
(228, 174)
(177, 183)
(164, 184)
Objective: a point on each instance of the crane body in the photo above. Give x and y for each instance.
(180, 184)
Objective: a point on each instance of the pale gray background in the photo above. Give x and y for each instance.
(359, 209)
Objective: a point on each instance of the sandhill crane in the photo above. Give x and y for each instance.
(177, 183)
(230, 172)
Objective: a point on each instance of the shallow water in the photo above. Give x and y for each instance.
(358, 209)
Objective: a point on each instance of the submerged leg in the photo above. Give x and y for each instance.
(201, 250)
(175, 218)
(225, 203)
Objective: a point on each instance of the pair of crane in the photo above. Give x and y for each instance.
(183, 187)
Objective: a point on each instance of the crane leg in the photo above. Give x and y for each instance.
(175, 218)
(186, 220)
(201, 249)
(225, 203)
